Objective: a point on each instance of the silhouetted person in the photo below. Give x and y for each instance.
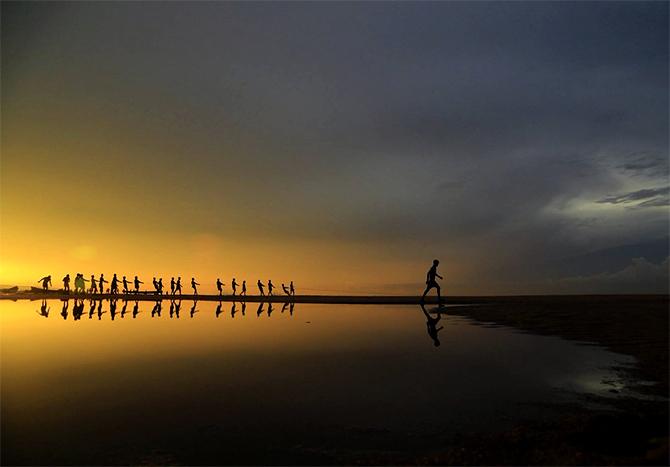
(157, 309)
(173, 285)
(77, 284)
(64, 312)
(260, 287)
(193, 286)
(431, 326)
(115, 285)
(270, 287)
(232, 310)
(125, 285)
(94, 285)
(219, 286)
(136, 309)
(137, 284)
(171, 308)
(286, 291)
(46, 282)
(91, 310)
(83, 283)
(283, 308)
(269, 309)
(292, 289)
(123, 308)
(193, 310)
(77, 309)
(66, 283)
(160, 286)
(178, 286)
(101, 283)
(290, 308)
(177, 308)
(100, 312)
(244, 288)
(44, 310)
(259, 312)
(218, 309)
(431, 282)
(244, 308)
(155, 284)
(234, 286)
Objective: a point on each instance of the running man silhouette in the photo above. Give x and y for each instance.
(193, 286)
(172, 285)
(219, 286)
(431, 282)
(431, 326)
(244, 288)
(125, 285)
(270, 287)
(260, 287)
(178, 286)
(46, 282)
(137, 284)
(286, 291)
(292, 289)
(94, 285)
(101, 283)
(234, 286)
(66, 283)
(115, 285)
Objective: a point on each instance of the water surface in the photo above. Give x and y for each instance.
(290, 384)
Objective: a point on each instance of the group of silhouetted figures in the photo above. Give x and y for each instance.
(95, 308)
(97, 286)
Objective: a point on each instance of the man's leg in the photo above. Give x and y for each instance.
(439, 298)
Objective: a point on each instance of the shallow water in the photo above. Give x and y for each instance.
(131, 385)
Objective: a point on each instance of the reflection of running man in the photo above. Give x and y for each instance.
(193, 286)
(431, 282)
(46, 282)
(260, 287)
(431, 326)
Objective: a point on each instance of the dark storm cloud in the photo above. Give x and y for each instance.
(457, 125)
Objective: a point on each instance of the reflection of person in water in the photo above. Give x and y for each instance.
(259, 312)
(46, 282)
(100, 312)
(91, 310)
(284, 307)
(44, 310)
(431, 326)
(218, 309)
(232, 310)
(123, 308)
(193, 310)
(244, 308)
(290, 309)
(269, 309)
(112, 308)
(64, 312)
(157, 309)
(136, 309)
(78, 309)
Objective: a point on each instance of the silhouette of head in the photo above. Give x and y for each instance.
(436, 262)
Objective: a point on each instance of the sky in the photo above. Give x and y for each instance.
(343, 146)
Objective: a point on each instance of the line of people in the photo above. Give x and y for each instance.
(98, 286)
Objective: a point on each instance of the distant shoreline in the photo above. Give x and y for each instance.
(332, 299)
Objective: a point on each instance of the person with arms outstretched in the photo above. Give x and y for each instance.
(137, 284)
(46, 282)
(260, 287)
(115, 285)
(125, 285)
(219, 286)
(101, 283)
(193, 286)
(431, 282)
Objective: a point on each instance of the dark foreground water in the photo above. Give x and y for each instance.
(135, 383)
